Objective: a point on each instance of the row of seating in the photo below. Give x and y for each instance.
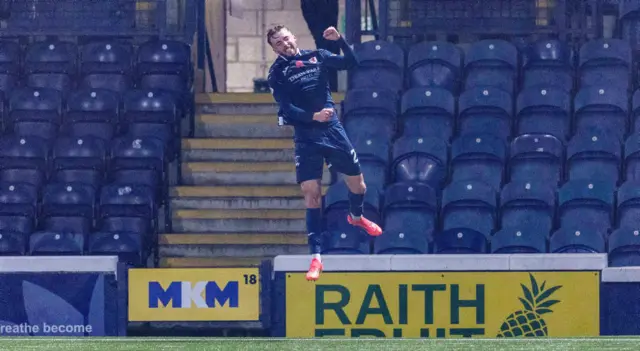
(111, 64)
(603, 62)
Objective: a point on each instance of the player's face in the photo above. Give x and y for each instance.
(284, 43)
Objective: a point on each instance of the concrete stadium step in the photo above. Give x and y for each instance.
(242, 173)
(242, 103)
(210, 262)
(238, 149)
(237, 197)
(232, 244)
(238, 221)
(240, 126)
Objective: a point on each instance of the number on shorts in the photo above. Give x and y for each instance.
(355, 156)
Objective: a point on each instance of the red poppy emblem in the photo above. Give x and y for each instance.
(299, 64)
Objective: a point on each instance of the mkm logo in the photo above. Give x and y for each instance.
(529, 321)
(202, 294)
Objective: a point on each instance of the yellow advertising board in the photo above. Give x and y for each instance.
(194, 294)
(444, 304)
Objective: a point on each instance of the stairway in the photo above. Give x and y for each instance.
(239, 202)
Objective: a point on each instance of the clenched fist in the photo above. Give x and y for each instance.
(323, 115)
(331, 34)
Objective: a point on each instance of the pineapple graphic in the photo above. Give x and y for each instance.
(529, 321)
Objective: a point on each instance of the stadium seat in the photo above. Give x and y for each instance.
(56, 244)
(518, 239)
(469, 205)
(380, 64)
(68, 208)
(544, 110)
(370, 113)
(435, 65)
(628, 205)
(340, 237)
(106, 65)
(151, 114)
(51, 64)
(459, 242)
(594, 156)
(629, 23)
(536, 157)
(410, 217)
(550, 64)
(602, 108)
(485, 110)
(585, 240)
(635, 113)
(23, 160)
(9, 66)
(18, 211)
(373, 155)
(605, 63)
(624, 247)
(586, 204)
(528, 205)
(428, 112)
(12, 243)
(79, 160)
(478, 157)
(127, 246)
(137, 161)
(417, 159)
(92, 113)
(492, 63)
(35, 112)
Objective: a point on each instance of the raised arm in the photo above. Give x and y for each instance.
(282, 98)
(348, 61)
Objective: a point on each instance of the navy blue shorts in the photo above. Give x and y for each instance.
(331, 146)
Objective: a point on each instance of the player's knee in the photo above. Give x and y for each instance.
(312, 194)
(357, 185)
(360, 187)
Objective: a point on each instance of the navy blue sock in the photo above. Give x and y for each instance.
(356, 204)
(314, 229)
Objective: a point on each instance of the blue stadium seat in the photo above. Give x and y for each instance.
(127, 246)
(410, 217)
(632, 157)
(9, 66)
(602, 108)
(485, 110)
(536, 157)
(106, 65)
(47, 243)
(51, 64)
(624, 247)
(594, 156)
(128, 209)
(435, 65)
(478, 157)
(428, 112)
(469, 205)
(550, 64)
(166, 65)
(18, 211)
(380, 64)
(605, 63)
(635, 112)
(340, 237)
(12, 243)
(417, 159)
(373, 155)
(370, 113)
(518, 239)
(68, 208)
(492, 63)
(137, 161)
(35, 112)
(585, 240)
(528, 205)
(79, 160)
(92, 113)
(629, 23)
(586, 204)
(459, 242)
(23, 160)
(544, 110)
(150, 114)
(628, 205)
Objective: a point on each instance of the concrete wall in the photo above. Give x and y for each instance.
(248, 54)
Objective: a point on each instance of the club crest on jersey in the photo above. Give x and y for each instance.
(313, 60)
